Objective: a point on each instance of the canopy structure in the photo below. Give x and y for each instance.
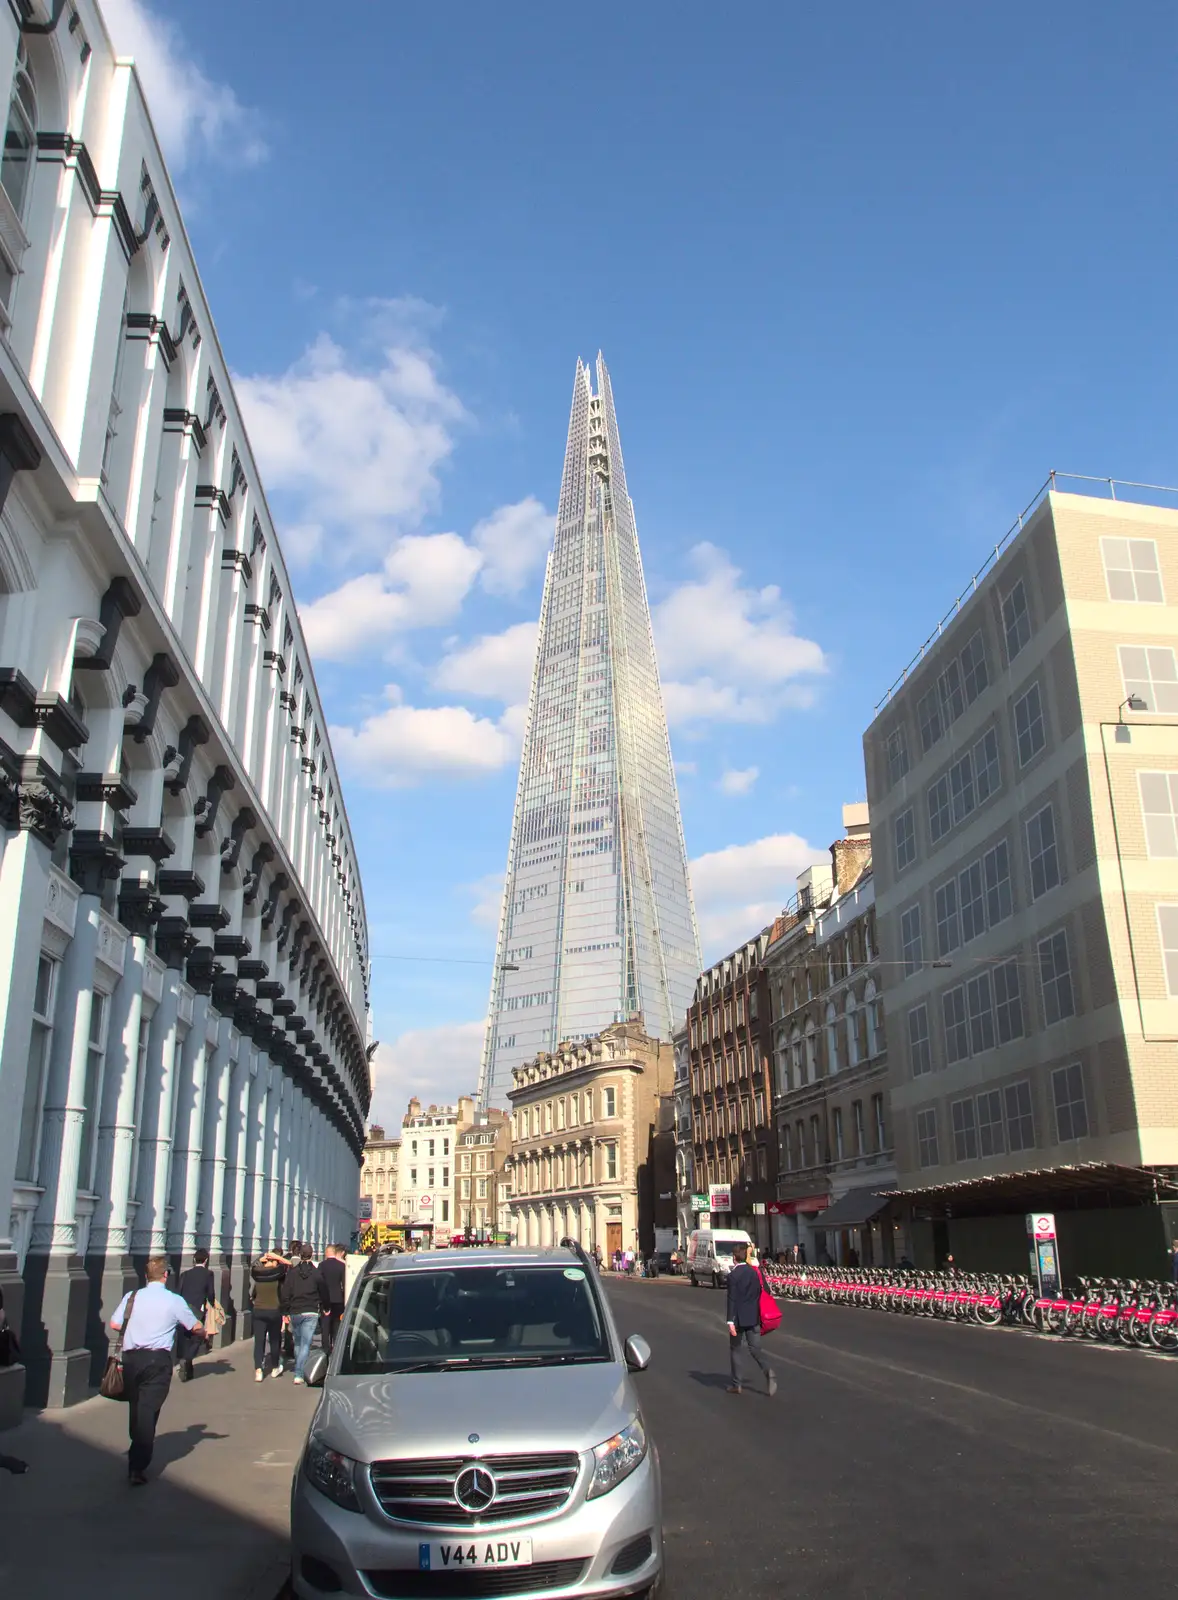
(1088, 1185)
(854, 1208)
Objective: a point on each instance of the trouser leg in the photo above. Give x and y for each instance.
(753, 1337)
(150, 1374)
(734, 1356)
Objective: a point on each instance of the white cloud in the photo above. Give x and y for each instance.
(402, 745)
(488, 900)
(423, 582)
(356, 437)
(728, 652)
(436, 1064)
(738, 780)
(191, 113)
(740, 889)
(497, 666)
(515, 542)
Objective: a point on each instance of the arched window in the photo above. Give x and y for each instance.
(20, 136)
(874, 1008)
(834, 1055)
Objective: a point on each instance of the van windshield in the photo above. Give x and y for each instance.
(455, 1317)
(725, 1247)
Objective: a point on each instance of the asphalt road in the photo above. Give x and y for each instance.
(905, 1458)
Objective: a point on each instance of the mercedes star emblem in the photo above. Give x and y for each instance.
(475, 1488)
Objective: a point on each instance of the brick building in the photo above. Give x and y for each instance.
(730, 1042)
(1023, 782)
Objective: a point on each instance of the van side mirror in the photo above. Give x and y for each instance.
(316, 1370)
(637, 1353)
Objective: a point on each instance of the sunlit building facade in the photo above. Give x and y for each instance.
(597, 922)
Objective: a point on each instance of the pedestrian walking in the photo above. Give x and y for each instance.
(332, 1272)
(744, 1320)
(197, 1289)
(301, 1296)
(267, 1274)
(148, 1319)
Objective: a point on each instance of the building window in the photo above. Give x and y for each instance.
(445, 1177)
(611, 1162)
(956, 1028)
(1055, 974)
(877, 1117)
(987, 769)
(911, 942)
(971, 902)
(996, 871)
(1131, 571)
(609, 1103)
(445, 1210)
(431, 1177)
(965, 1131)
(1159, 809)
(919, 1047)
(816, 1140)
(897, 751)
(905, 840)
(940, 818)
(1071, 1112)
(1042, 856)
(1151, 672)
(1008, 1002)
(860, 1129)
(464, 1188)
(974, 676)
(464, 1163)
(1020, 1120)
(952, 695)
(1168, 929)
(981, 1013)
(431, 1147)
(20, 136)
(926, 1138)
(961, 790)
(928, 719)
(413, 1176)
(762, 1165)
(836, 1125)
(92, 1093)
(991, 1140)
(948, 925)
(1028, 725)
(28, 1148)
(1016, 620)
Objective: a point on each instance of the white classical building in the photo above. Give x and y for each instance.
(183, 948)
(428, 1161)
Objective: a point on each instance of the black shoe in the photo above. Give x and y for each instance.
(183, 1373)
(188, 1372)
(137, 1480)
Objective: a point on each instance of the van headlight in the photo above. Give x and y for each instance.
(332, 1474)
(617, 1458)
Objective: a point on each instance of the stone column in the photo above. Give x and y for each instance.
(24, 883)
(149, 1235)
(236, 1228)
(56, 1286)
(187, 1123)
(279, 1170)
(262, 1141)
(110, 1268)
(212, 1199)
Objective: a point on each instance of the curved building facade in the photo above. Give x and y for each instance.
(183, 946)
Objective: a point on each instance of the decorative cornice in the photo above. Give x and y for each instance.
(119, 602)
(105, 788)
(139, 908)
(234, 560)
(44, 807)
(275, 661)
(258, 615)
(208, 914)
(151, 842)
(71, 152)
(194, 732)
(178, 883)
(178, 420)
(210, 497)
(162, 674)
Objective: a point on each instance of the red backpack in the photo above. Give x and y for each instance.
(768, 1309)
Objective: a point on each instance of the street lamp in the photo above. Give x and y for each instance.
(1133, 703)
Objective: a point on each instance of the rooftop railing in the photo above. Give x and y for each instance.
(1050, 483)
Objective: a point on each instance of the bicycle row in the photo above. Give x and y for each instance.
(1128, 1311)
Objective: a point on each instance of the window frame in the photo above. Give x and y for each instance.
(1038, 720)
(1040, 853)
(1017, 622)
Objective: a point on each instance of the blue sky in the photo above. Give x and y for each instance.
(862, 276)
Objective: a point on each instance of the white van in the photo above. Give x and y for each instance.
(709, 1254)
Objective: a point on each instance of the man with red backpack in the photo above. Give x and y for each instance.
(745, 1289)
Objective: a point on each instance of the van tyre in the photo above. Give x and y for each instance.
(716, 1281)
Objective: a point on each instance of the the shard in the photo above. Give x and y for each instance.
(597, 922)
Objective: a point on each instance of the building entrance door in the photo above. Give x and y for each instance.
(613, 1239)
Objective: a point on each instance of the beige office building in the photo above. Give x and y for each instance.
(584, 1121)
(1023, 786)
(378, 1175)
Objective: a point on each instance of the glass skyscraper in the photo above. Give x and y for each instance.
(597, 921)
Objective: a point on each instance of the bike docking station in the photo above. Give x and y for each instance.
(1044, 1248)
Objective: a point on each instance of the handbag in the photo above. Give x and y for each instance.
(214, 1319)
(767, 1309)
(111, 1385)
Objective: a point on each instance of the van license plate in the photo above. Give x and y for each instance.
(475, 1553)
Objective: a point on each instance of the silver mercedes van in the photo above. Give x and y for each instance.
(479, 1433)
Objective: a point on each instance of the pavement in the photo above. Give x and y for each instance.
(904, 1458)
(212, 1522)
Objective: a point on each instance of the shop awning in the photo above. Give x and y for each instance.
(1087, 1184)
(853, 1209)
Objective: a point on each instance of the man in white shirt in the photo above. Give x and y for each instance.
(149, 1336)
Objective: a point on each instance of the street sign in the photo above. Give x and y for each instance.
(425, 1202)
(365, 1212)
(758, 1208)
(699, 1202)
(1044, 1248)
(719, 1197)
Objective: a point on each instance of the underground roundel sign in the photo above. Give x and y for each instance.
(1044, 1225)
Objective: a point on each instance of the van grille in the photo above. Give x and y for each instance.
(422, 1491)
(479, 1585)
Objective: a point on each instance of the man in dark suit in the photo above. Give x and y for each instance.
(198, 1289)
(744, 1319)
(331, 1270)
